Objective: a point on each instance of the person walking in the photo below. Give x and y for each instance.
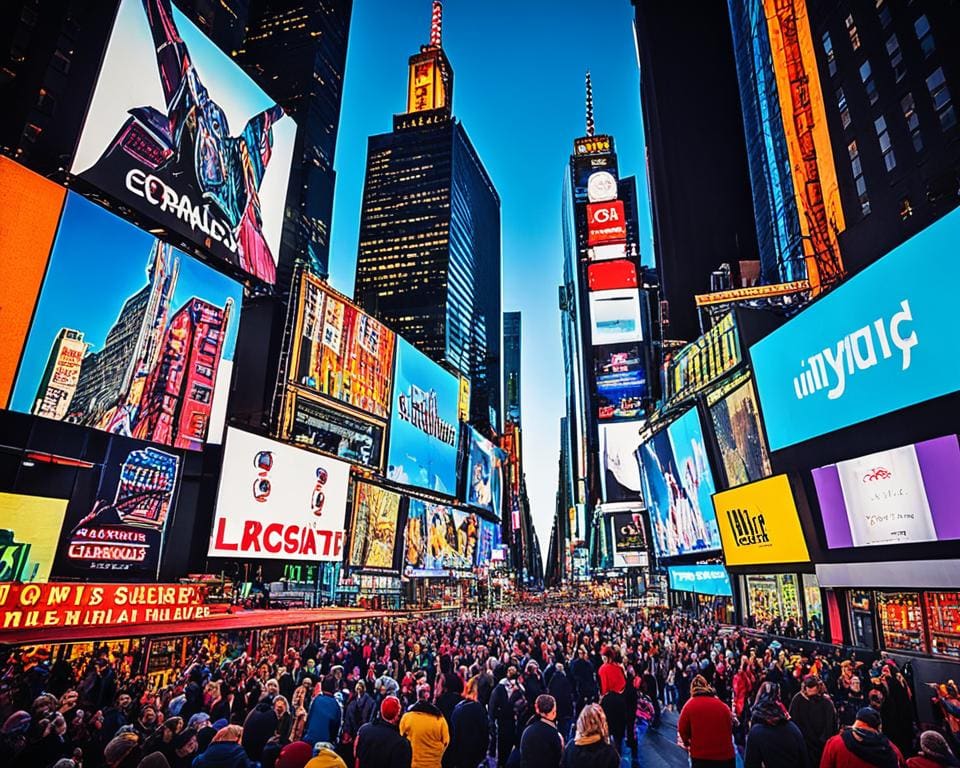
(502, 711)
(584, 679)
(773, 740)
(705, 727)
(862, 746)
(379, 744)
(323, 722)
(469, 731)
(562, 691)
(815, 716)
(591, 747)
(541, 745)
(427, 730)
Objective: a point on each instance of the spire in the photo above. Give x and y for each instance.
(436, 24)
(590, 126)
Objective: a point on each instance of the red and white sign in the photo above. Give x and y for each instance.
(606, 223)
(610, 275)
(278, 502)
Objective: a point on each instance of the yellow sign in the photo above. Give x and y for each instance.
(463, 404)
(592, 145)
(753, 292)
(759, 524)
(426, 89)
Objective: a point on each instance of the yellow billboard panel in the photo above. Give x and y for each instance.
(426, 88)
(759, 524)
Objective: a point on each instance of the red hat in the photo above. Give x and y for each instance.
(390, 709)
(296, 754)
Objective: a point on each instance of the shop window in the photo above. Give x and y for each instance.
(813, 602)
(913, 121)
(942, 102)
(901, 621)
(896, 58)
(886, 146)
(845, 119)
(773, 603)
(925, 36)
(862, 631)
(852, 32)
(831, 56)
(943, 619)
(866, 77)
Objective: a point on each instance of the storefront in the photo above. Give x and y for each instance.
(702, 591)
(914, 622)
(788, 604)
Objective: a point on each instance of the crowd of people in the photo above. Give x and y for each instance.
(541, 687)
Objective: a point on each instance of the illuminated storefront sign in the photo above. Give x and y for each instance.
(751, 293)
(700, 579)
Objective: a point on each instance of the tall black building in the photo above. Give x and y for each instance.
(511, 366)
(697, 171)
(428, 259)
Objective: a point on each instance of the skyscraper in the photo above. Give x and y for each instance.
(428, 260)
(511, 366)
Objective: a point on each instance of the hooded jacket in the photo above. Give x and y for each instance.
(857, 748)
(223, 754)
(428, 733)
(816, 717)
(469, 735)
(323, 722)
(258, 728)
(380, 745)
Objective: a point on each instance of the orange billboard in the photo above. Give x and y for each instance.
(29, 211)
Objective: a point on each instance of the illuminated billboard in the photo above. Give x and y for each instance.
(737, 427)
(620, 480)
(29, 532)
(439, 539)
(278, 502)
(177, 131)
(341, 352)
(610, 275)
(677, 487)
(701, 362)
(484, 480)
(629, 540)
(901, 496)
(712, 580)
(424, 430)
(606, 223)
(374, 524)
(621, 379)
(489, 544)
(615, 316)
(159, 329)
(320, 425)
(877, 343)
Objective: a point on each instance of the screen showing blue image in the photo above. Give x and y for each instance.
(489, 540)
(484, 486)
(424, 429)
(700, 580)
(678, 486)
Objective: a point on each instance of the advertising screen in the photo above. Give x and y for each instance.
(341, 352)
(759, 524)
(29, 532)
(621, 479)
(334, 431)
(611, 275)
(439, 539)
(901, 496)
(278, 502)
(424, 430)
(488, 543)
(678, 486)
(158, 329)
(712, 580)
(177, 131)
(621, 377)
(701, 362)
(606, 223)
(629, 539)
(587, 166)
(736, 424)
(484, 488)
(115, 532)
(615, 316)
(374, 522)
(873, 345)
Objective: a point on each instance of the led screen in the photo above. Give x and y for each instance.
(615, 316)
(489, 542)
(424, 430)
(141, 345)
(629, 539)
(621, 479)
(621, 381)
(334, 431)
(901, 496)
(736, 424)
(374, 522)
(677, 486)
(29, 532)
(439, 539)
(710, 580)
(484, 482)
(177, 131)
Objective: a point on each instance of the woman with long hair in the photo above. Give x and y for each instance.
(591, 746)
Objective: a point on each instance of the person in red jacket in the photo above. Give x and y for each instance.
(611, 674)
(862, 746)
(705, 728)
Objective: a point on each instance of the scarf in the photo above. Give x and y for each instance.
(767, 708)
(582, 741)
(871, 747)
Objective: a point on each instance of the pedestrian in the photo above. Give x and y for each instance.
(862, 746)
(934, 752)
(584, 679)
(225, 750)
(591, 747)
(323, 722)
(503, 715)
(259, 727)
(380, 744)
(541, 745)
(773, 740)
(562, 691)
(705, 727)
(295, 755)
(427, 730)
(469, 731)
(325, 756)
(815, 716)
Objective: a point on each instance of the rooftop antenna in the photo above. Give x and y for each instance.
(436, 24)
(590, 126)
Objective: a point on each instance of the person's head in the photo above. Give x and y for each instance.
(390, 709)
(811, 685)
(119, 748)
(855, 684)
(198, 721)
(423, 693)
(934, 746)
(875, 699)
(280, 705)
(532, 667)
(868, 719)
(592, 722)
(470, 689)
(123, 700)
(185, 743)
(329, 685)
(512, 672)
(360, 688)
(700, 687)
(546, 706)
(272, 687)
(232, 733)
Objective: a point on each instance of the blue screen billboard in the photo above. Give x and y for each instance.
(876, 344)
(700, 579)
(484, 482)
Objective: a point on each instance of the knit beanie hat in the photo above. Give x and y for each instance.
(296, 754)
(390, 709)
(119, 747)
(933, 745)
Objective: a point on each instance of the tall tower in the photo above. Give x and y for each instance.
(428, 261)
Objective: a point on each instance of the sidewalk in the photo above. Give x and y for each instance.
(659, 747)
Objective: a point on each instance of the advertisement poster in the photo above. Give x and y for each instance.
(712, 580)
(701, 362)
(489, 543)
(621, 381)
(901, 496)
(606, 223)
(621, 479)
(615, 317)
(116, 533)
(629, 540)
(278, 502)
(159, 329)
(341, 352)
(484, 474)
(759, 524)
(439, 539)
(678, 486)
(29, 532)
(374, 522)
(736, 424)
(424, 430)
(177, 131)
(335, 432)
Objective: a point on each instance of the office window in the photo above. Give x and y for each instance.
(857, 167)
(942, 103)
(896, 58)
(852, 31)
(844, 109)
(925, 36)
(866, 75)
(886, 146)
(831, 56)
(913, 121)
(883, 13)
(906, 209)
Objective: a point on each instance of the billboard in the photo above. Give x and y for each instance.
(610, 275)
(711, 580)
(703, 361)
(424, 430)
(759, 524)
(875, 344)
(341, 352)
(615, 316)
(621, 378)
(115, 531)
(737, 427)
(439, 539)
(374, 523)
(484, 481)
(601, 187)
(901, 496)
(29, 211)
(606, 223)
(629, 539)
(320, 425)
(489, 544)
(159, 329)
(621, 479)
(178, 132)
(751, 293)
(29, 532)
(278, 502)
(677, 487)
(587, 166)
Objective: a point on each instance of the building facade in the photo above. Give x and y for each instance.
(511, 366)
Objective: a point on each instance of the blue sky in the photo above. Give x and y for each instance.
(519, 92)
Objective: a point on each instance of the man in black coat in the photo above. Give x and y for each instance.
(815, 716)
(380, 744)
(584, 679)
(504, 703)
(541, 745)
(562, 692)
(259, 726)
(469, 733)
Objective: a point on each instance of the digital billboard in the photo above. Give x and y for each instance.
(484, 481)
(606, 223)
(439, 539)
(341, 352)
(488, 543)
(116, 519)
(621, 378)
(737, 427)
(586, 167)
(177, 131)
(677, 487)
(611, 275)
(712, 580)
(701, 362)
(29, 532)
(621, 479)
(875, 344)
(629, 540)
(424, 428)
(901, 496)
(324, 427)
(278, 502)
(29, 211)
(615, 316)
(159, 329)
(759, 524)
(374, 523)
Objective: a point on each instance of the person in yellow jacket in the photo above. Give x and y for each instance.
(427, 731)
(325, 756)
